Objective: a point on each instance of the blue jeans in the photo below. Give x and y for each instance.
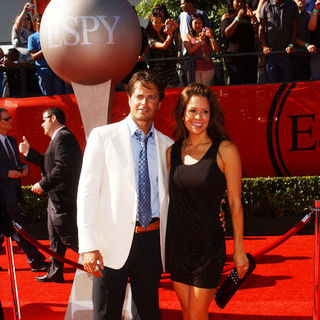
(279, 68)
(315, 66)
(49, 83)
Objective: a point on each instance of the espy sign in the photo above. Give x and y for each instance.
(90, 41)
(75, 30)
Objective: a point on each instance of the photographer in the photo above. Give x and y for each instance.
(160, 33)
(200, 42)
(21, 30)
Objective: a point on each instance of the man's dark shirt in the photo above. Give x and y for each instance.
(278, 22)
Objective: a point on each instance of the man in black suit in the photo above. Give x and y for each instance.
(11, 172)
(60, 166)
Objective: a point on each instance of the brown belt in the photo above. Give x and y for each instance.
(151, 227)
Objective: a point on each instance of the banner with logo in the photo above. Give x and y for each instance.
(275, 126)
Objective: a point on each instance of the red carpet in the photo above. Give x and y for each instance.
(281, 287)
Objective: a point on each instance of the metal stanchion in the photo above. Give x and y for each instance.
(316, 303)
(13, 280)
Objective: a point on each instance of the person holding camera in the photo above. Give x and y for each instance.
(239, 27)
(21, 30)
(11, 172)
(200, 42)
(161, 45)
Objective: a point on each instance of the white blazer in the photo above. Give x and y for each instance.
(107, 196)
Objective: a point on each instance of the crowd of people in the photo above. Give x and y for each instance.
(26, 69)
(265, 41)
(283, 30)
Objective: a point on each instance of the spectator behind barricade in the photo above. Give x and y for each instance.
(314, 26)
(200, 42)
(21, 30)
(161, 46)
(188, 9)
(277, 31)
(239, 27)
(49, 82)
(301, 59)
(20, 80)
(9, 62)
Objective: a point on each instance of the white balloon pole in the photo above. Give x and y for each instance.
(95, 104)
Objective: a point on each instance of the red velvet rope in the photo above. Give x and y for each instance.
(256, 255)
(36, 243)
(277, 242)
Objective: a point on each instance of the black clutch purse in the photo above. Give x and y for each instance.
(232, 284)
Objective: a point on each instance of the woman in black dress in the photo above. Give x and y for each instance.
(202, 163)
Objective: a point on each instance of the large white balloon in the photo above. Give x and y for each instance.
(90, 41)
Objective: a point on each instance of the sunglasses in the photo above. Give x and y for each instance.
(7, 119)
(44, 118)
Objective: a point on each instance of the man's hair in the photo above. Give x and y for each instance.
(58, 113)
(2, 110)
(145, 78)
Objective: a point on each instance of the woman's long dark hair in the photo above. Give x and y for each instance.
(150, 31)
(193, 17)
(216, 126)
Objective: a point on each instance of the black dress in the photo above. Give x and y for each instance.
(195, 245)
(241, 70)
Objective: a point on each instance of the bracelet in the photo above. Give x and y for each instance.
(237, 19)
(290, 45)
(306, 45)
(178, 52)
(25, 12)
(315, 10)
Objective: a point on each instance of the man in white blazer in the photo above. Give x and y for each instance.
(114, 245)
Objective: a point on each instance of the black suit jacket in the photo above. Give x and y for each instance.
(60, 166)
(6, 226)
(10, 186)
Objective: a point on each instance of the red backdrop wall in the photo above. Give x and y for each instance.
(276, 127)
